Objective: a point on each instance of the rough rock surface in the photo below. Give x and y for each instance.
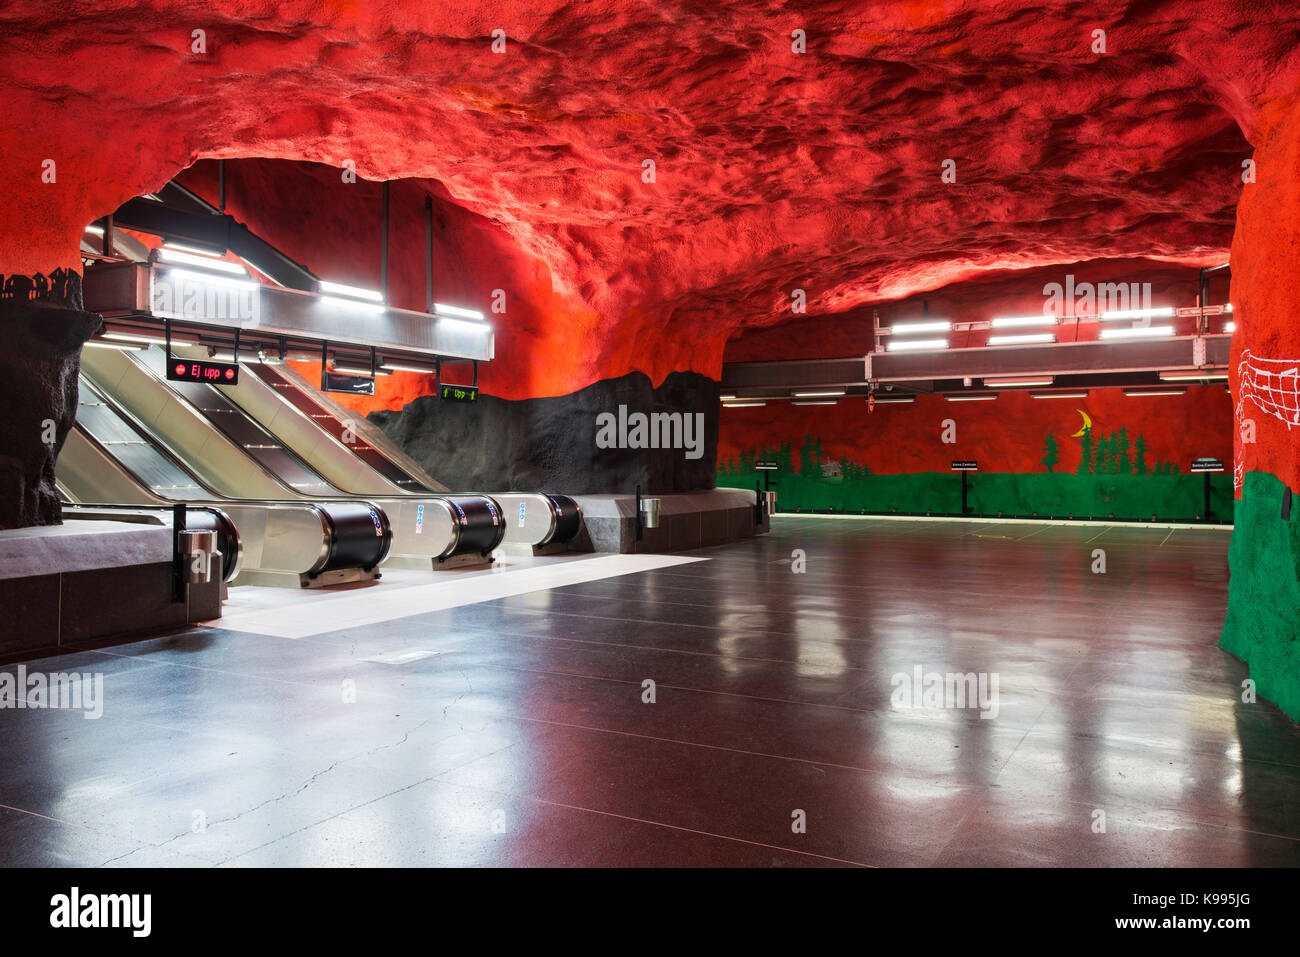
(550, 443)
(774, 169)
(38, 390)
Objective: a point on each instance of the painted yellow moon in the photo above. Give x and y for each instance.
(1087, 423)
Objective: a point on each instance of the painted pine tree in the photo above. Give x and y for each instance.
(1105, 455)
(1122, 464)
(1140, 455)
(1085, 452)
(1051, 451)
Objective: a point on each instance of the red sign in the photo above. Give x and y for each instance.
(213, 373)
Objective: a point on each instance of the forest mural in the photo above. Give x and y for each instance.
(1109, 456)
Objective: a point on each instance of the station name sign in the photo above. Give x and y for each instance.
(193, 370)
(459, 393)
(965, 465)
(1207, 465)
(768, 466)
(351, 384)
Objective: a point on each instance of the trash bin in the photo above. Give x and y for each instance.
(198, 546)
(650, 512)
(769, 502)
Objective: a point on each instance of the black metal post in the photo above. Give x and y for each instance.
(383, 241)
(178, 560)
(324, 363)
(428, 254)
(106, 243)
(638, 513)
(221, 186)
(1206, 513)
(964, 483)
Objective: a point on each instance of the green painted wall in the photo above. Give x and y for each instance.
(1262, 626)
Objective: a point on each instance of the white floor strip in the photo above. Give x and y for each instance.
(285, 613)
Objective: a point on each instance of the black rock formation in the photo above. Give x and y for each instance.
(42, 326)
(506, 445)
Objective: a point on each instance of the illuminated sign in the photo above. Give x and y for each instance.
(342, 382)
(194, 370)
(459, 393)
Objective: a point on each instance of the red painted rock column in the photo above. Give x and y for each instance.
(1263, 621)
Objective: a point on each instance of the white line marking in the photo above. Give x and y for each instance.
(316, 614)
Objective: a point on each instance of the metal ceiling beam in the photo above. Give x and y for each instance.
(1099, 358)
(189, 221)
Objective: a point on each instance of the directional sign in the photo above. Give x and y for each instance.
(352, 384)
(194, 370)
(459, 393)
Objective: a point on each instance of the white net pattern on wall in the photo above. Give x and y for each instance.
(1273, 385)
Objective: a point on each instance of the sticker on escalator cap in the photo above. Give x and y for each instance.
(379, 526)
(522, 507)
(419, 519)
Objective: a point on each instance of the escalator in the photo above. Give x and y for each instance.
(109, 458)
(231, 454)
(341, 447)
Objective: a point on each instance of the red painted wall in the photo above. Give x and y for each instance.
(1003, 435)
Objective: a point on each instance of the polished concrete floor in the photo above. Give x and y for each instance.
(514, 730)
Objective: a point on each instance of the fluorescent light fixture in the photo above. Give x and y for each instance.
(1192, 376)
(814, 402)
(916, 345)
(405, 367)
(97, 230)
(192, 250)
(474, 324)
(724, 398)
(101, 344)
(908, 328)
(213, 278)
(1138, 392)
(1137, 332)
(176, 257)
(442, 309)
(134, 337)
(1162, 312)
(1011, 383)
(1227, 307)
(1059, 395)
(1025, 339)
(1019, 322)
(1229, 327)
(354, 304)
(348, 368)
(894, 399)
(975, 397)
(819, 395)
(338, 289)
(742, 405)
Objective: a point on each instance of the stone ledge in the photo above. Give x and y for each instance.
(687, 520)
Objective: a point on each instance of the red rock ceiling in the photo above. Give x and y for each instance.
(774, 170)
